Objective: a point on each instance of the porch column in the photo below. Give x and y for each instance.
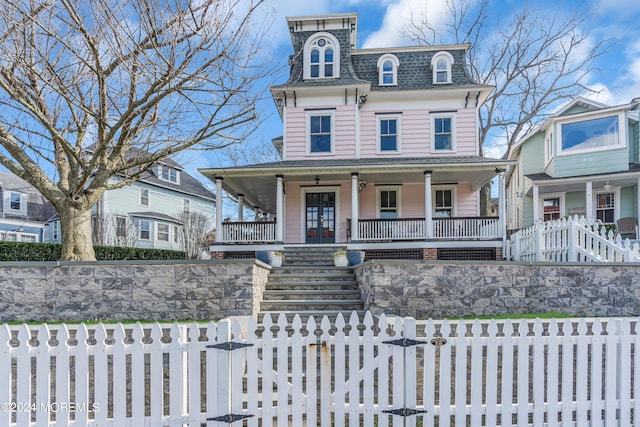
(588, 195)
(240, 207)
(355, 208)
(428, 206)
(279, 209)
(502, 207)
(536, 206)
(218, 209)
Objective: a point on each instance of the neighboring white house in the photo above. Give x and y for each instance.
(23, 210)
(583, 160)
(145, 214)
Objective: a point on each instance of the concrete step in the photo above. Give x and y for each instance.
(318, 315)
(308, 304)
(312, 294)
(329, 285)
(315, 275)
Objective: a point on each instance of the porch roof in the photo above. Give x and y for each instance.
(548, 184)
(258, 182)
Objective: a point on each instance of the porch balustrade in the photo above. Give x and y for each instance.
(248, 232)
(414, 228)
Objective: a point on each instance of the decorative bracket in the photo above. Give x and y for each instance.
(230, 418)
(229, 346)
(404, 412)
(405, 342)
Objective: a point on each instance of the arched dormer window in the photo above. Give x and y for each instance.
(388, 70)
(441, 64)
(321, 57)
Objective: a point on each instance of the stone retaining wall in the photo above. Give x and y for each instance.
(438, 289)
(123, 290)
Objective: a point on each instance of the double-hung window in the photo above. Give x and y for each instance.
(121, 226)
(162, 233)
(442, 134)
(388, 70)
(320, 133)
(144, 196)
(441, 65)
(551, 208)
(388, 203)
(388, 134)
(321, 57)
(145, 230)
(605, 207)
(14, 203)
(443, 203)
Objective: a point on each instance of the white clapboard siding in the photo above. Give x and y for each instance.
(347, 372)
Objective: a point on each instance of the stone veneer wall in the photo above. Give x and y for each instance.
(124, 290)
(438, 289)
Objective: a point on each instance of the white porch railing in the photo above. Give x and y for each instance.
(249, 232)
(442, 228)
(357, 372)
(574, 239)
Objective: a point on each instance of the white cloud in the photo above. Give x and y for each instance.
(398, 15)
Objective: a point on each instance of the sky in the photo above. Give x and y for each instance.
(380, 24)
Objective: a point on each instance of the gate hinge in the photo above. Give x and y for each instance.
(404, 412)
(230, 418)
(229, 346)
(405, 342)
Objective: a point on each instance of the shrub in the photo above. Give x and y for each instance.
(30, 252)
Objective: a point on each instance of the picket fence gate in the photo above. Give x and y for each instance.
(361, 372)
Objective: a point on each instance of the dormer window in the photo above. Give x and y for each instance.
(166, 173)
(322, 57)
(441, 64)
(388, 70)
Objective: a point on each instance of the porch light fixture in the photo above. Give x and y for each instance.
(317, 180)
(607, 186)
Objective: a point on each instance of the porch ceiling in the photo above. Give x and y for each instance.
(258, 182)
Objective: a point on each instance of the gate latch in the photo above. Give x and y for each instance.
(230, 418)
(405, 342)
(404, 412)
(229, 346)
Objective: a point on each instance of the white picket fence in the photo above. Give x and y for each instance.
(572, 239)
(573, 372)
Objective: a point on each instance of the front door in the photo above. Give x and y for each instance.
(320, 217)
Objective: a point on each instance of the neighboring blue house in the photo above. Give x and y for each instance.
(145, 214)
(24, 211)
(584, 160)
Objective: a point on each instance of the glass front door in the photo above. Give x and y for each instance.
(320, 217)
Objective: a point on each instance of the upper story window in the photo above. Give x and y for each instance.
(320, 135)
(321, 57)
(388, 134)
(388, 70)
(597, 134)
(441, 64)
(186, 205)
(548, 147)
(166, 173)
(144, 196)
(15, 201)
(442, 133)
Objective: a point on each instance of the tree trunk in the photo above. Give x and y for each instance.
(77, 244)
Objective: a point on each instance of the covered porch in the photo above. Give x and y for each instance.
(318, 202)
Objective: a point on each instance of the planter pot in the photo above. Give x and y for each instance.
(276, 261)
(340, 261)
(355, 257)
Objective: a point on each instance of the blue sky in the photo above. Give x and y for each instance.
(380, 24)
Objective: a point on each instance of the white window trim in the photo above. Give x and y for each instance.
(306, 68)
(548, 148)
(622, 134)
(396, 64)
(161, 169)
(397, 118)
(616, 201)
(148, 197)
(168, 233)
(21, 202)
(397, 189)
(560, 196)
(151, 230)
(333, 131)
(454, 199)
(447, 57)
(435, 116)
(186, 205)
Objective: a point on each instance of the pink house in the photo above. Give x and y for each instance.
(379, 153)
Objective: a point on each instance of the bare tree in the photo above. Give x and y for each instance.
(114, 230)
(90, 89)
(194, 233)
(535, 60)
